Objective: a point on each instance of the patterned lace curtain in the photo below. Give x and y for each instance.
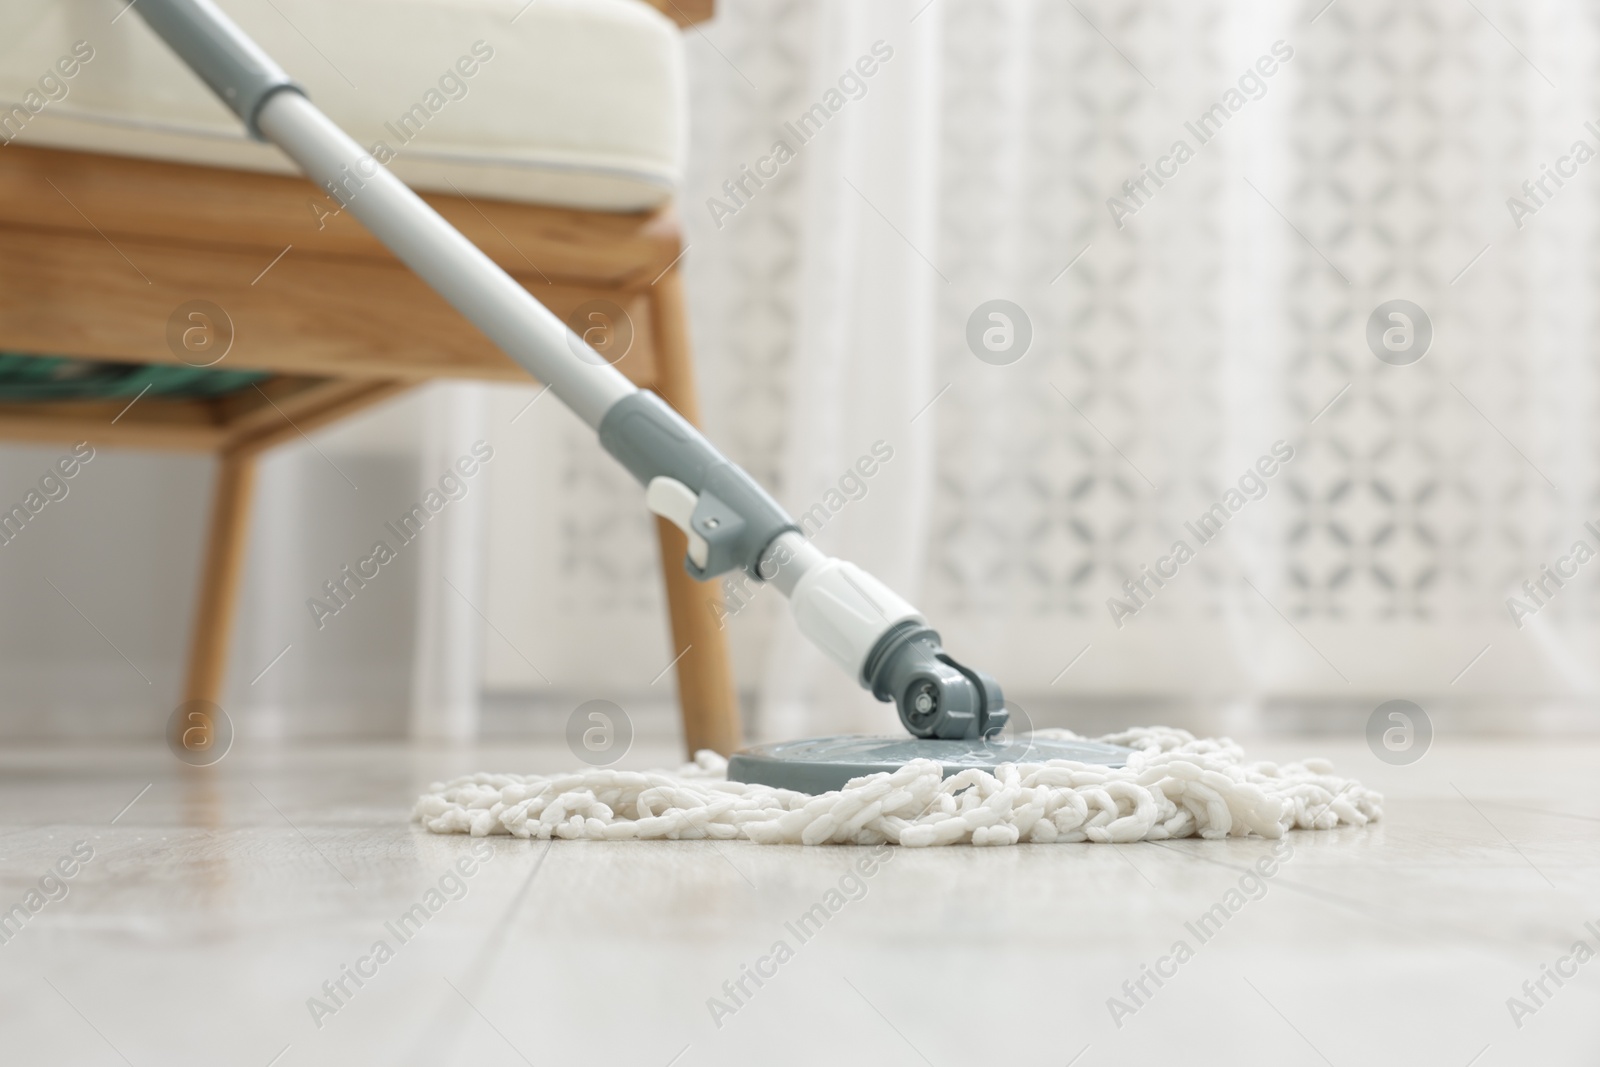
(1229, 311)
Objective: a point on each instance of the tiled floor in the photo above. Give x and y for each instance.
(220, 901)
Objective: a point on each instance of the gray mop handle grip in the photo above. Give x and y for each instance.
(734, 515)
(233, 65)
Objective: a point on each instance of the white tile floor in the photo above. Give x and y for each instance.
(221, 901)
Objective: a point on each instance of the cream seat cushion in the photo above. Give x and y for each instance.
(577, 103)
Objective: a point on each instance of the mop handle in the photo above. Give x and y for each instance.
(729, 520)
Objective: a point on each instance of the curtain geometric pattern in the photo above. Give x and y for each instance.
(1337, 160)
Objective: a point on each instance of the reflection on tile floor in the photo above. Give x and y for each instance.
(234, 915)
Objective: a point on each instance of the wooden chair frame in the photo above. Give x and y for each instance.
(97, 253)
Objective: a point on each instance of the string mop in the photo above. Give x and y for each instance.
(1174, 786)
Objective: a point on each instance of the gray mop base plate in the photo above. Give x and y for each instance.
(823, 764)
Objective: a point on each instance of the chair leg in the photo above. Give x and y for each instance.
(219, 581)
(706, 693)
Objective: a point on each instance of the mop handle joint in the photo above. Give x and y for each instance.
(731, 520)
(229, 62)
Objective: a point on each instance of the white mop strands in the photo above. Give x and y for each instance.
(1173, 786)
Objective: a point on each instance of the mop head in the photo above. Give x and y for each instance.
(1173, 786)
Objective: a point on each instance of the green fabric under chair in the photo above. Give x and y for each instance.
(25, 378)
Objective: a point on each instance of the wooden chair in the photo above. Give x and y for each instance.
(98, 252)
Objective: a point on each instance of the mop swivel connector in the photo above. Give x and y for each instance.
(935, 695)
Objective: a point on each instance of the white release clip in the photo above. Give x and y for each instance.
(675, 502)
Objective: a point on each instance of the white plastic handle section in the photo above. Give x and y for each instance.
(453, 266)
(845, 611)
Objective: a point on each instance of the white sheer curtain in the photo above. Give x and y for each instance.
(404, 654)
(447, 665)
